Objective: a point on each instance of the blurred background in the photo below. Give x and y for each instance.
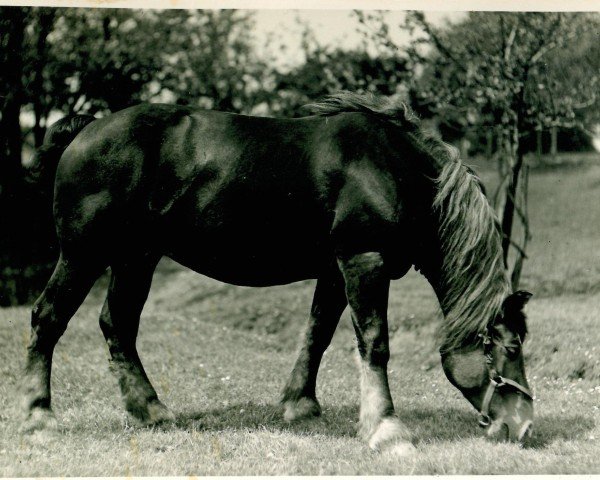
(512, 91)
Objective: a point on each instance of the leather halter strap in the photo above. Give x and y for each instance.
(496, 381)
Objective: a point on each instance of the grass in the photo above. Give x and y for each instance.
(219, 355)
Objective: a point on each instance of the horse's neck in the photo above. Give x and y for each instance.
(430, 266)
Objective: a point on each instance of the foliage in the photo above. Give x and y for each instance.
(210, 59)
(99, 60)
(328, 70)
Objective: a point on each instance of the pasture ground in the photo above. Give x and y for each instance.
(219, 356)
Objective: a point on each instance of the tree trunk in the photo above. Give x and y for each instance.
(511, 193)
(489, 146)
(522, 201)
(538, 143)
(464, 148)
(11, 142)
(13, 255)
(44, 24)
(553, 142)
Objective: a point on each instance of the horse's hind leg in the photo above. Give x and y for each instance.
(367, 289)
(67, 288)
(299, 397)
(119, 321)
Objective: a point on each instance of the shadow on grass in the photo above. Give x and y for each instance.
(548, 428)
(336, 422)
(427, 425)
(453, 424)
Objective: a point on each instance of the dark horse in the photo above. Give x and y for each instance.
(352, 196)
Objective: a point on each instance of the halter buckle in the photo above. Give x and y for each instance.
(484, 420)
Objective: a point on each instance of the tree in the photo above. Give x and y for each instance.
(209, 60)
(104, 60)
(12, 28)
(327, 70)
(36, 52)
(504, 72)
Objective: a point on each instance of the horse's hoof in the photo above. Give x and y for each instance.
(400, 449)
(149, 413)
(39, 419)
(158, 413)
(302, 408)
(391, 436)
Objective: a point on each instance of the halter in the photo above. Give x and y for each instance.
(496, 381)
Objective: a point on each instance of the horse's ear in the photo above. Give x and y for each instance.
(513, 315)
(515, 302)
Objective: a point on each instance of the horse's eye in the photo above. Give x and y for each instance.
(512, 350)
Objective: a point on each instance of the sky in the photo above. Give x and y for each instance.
(331, 27)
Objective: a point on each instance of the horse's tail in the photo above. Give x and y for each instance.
(58, 137)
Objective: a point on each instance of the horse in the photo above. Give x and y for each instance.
(353, 195)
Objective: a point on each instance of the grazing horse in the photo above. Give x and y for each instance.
(352, 196)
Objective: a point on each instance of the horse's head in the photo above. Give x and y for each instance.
(492, 375)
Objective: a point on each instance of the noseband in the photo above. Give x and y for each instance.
(496, 381)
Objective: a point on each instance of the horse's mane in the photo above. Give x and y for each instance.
(473, 274)
(473, 277)
(393, 110)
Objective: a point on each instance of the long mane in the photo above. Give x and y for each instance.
(474, 282)
(474, 278)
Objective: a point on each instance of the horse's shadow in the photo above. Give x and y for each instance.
(548, 428)
(426, 424)
(335, 422)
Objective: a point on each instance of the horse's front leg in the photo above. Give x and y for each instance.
(329, 301)
(367, 289)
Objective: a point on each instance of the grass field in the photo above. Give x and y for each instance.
(219, 356)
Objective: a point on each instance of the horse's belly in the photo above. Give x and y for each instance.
(250, 253)
(263, 224)
(248, 267)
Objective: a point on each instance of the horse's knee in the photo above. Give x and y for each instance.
(46, 327)
(373, 344)
(40, 313)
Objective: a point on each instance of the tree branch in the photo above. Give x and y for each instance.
(509, 43)
(516, 246)
(559, 40)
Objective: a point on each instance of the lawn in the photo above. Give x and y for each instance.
(219, 355)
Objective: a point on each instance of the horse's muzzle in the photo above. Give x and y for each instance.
(501, 432)
(513, 420)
